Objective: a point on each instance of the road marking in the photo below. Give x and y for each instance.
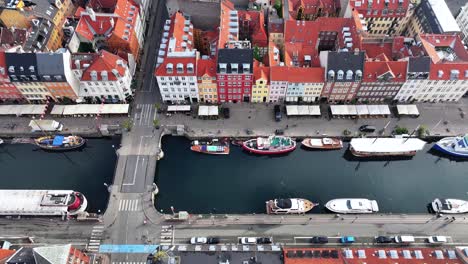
(136, 165)
(95, 240)
(128, 205)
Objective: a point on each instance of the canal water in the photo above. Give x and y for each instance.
(24, 166)
(241, 183)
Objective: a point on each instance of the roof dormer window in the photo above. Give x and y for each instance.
(11, 69)
(190, 68)
(234, 68)
(440, 73)
(104, 76)
(340, 75)
(358, 75)
(246, 67)
(349, 75)
(169, 68)
(222, 67)
(454, 74)
(331, 75)
(180, 68)
(93, 76)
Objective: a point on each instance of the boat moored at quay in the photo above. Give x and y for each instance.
(352, 206)
(450, 206)
(270, 146)
(213, 147)
(42, 203)
(453, 146)
(386, 147)
(60, 143)
(289, 206)
(322, 143)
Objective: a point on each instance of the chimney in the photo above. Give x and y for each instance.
(91, 13)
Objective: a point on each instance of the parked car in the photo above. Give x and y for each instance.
(437, 239)
(383, 239)
(279, 132)
(319, 240)
(226, 113)
(198, 240)
(277, 111)
(212, 240)
(347, 239)
(248, 240)
(264, 240)
(404, 239)
(367, 128)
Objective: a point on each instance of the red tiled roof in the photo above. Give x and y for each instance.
(442, 71)
(226, 7)
(256, 22)
(394, 69)
(177, 32)
(206, 67)
(392, 6)
(371, 256)
(437, 45)
(106, 61)
(273, 60)
(261, 72)
(275, 27)
(161, 70)
(375, 49)
(5, 254)
(312, 7)
(306, 75)
(89, 28)
(98, 4)
(279, 73)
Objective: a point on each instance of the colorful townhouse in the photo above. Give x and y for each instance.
(176, 72)
(278, 83)
(261, 85)
(8, 90)
(206, 75)
(305, 84)
(104, 77)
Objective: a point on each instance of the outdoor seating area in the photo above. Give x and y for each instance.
(208, 111)
(408, 110)
(90, 110)
(303, 110)
(22, 110)
(359, 111)
(178, 108)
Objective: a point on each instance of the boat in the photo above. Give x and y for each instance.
(352, 206)
(270, 145)
(385, 147)
(42, 203)
(449, 206)
(213, 147)
(323, 143)
(60, 143)
(1, 141)
(289, 206)
(453, 146)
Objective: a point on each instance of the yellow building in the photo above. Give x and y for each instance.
(207, 88)
(34, 91)
(261, 87)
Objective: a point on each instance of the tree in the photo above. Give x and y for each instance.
(346, 132)
(156, 123)
(256, 53)
(127, 124)
(422, 131)
(400, 130)
(279, 8)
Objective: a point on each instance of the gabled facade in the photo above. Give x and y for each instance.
(104, 77)
(261, 85)
(304, 84)
(278, 83)
(8, 90)
(206, 75)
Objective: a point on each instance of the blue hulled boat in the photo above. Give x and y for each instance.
(453, 146)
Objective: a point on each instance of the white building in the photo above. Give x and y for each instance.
(104, 77)
(278, 84)
(462, 21)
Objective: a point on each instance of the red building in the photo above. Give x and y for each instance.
(8, 90)
(234, 75)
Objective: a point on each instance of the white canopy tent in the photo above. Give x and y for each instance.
(384, 110)
(291, 110)
(213, 110)
(92, 109)
(20, 110)
(362, 110)
(411, 110)
(178, 108)
(303, 110)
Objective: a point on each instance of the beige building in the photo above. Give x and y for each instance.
(206, 72)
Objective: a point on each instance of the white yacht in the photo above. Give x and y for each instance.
(352, 206)
(1, 141)
(450, 206)
(289, 206)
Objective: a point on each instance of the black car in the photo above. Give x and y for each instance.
(264, 240)
(319, 240)
(277, 111)
(367, 128)
(212, 240)
(226, 113)
(150, 259)
(383, 239)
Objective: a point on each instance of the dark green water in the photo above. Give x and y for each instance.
(241, 183)
(23, 166)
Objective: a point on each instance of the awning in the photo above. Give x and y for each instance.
(291, 110)
(203, 110)
(91, 109)
(373, 110)
(213, 110)
(314, 110)
(178, 108)
(57, 110)
(362, 110)
(351, 110)
(19, 110)
(303, 110)
(384, 110)
(408, 110)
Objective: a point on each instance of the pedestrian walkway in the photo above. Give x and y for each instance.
(95, 240)
(128, 205)
(144, 115)
(167, 235)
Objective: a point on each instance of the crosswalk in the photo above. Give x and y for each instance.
(129, 205)
(167, 235)
(95, 240)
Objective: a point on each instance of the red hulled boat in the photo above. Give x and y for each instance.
(271, 145)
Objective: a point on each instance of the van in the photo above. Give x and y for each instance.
(404, 239)
(277, 111)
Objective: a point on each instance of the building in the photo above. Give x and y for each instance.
(440, 73)
(462, 21)
(13, 37)
(43, 36)
(234, 75)
(278, 83)
(104, 77)
(305, 84)
(62, 254)
(120, 32)
(343, 75)
(276, 31)
(261, 85)
(8, 90)
(310, 9)
(5, 254)
(252, 27)
(432, 17)
(206, 75)
(54, 71)
(386, 17)
(176, 71)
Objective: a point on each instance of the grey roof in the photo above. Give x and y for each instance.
(419, 64)
(22, 256)
(345, 61)
(40, 35)
(21, 63)
(435, 17)
(50, 64)
(52, 254)
(239, 56)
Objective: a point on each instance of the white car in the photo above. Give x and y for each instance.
(248, 240)
(198, 240)
(437, 239)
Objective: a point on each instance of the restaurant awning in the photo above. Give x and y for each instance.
(303, 110)
(91, 109)
(408, 110)
(384, 110)
(291, 110)
(178, 108)
(362, 110)
(20, 110)
(203, 110)
(213, 110)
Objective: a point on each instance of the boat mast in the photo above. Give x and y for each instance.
(416, 129)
